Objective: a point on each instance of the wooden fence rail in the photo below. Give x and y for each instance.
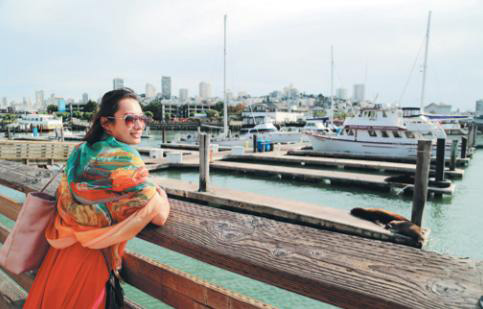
(343, 270)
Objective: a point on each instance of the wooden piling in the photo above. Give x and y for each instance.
(454, 148)
(440, 149)
(204, 162)
(164, 135)
(464, 145)
(254, 143)
(421, 181)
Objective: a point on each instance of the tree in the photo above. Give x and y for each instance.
(156, 108)
(149, 114)
(87, 116)
(211, 113)
(51, 108)
(219, 107)
(90, 106)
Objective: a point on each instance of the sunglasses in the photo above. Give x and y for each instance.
(129, 120)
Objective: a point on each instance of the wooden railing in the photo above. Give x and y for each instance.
(344, 270)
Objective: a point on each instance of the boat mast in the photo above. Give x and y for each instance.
(225, 99)
(331, 110)
(425, 65)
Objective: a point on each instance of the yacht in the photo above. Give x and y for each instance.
(40, 121)
(374, 132)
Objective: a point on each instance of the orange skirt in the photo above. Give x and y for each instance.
(73, 277)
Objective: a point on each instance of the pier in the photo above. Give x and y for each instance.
(333, 267)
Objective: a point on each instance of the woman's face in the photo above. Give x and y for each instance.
(128, 132)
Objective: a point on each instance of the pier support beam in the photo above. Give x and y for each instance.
(164, 135)
(454, 148)
(204, 162)
(464, 145)
(254, 143)
(420, 194)
(440, 155)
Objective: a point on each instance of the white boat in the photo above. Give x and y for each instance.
(40, 121)
(375, 133)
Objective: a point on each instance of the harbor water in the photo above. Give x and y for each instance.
(454, 223)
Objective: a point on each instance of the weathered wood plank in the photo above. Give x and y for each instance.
(10, 295)
(340, 269)
(165, 283)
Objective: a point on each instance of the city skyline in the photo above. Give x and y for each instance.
(71, 50)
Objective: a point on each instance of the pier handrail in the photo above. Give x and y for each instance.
(343, 270)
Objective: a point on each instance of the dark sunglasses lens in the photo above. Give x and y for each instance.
(129, 120)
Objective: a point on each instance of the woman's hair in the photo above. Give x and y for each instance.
(109, 106)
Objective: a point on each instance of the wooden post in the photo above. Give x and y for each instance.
(454, 148)
(464, 141)
(421, 181)
(62, 133)
(204, 162)
(254, 143)
(164, 134)
(440, 149)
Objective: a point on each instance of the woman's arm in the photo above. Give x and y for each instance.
(161, 198)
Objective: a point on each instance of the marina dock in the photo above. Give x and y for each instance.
(336, 268)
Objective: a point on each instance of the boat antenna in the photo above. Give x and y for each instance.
(425, 65)
(331, 111)
(225, 98)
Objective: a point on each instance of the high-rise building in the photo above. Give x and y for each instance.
(479, 107)
(85, 97)
(341, 93)
(117, 83)
(205, 90)
(359, 91)
(166, 87)
(4, 102)
(39, 99)
(183, 95)
(150, 91)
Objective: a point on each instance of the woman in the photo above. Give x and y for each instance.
(103, 200)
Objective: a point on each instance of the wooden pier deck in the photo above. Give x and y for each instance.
(271, 157)
(343, 270)
(372, 181)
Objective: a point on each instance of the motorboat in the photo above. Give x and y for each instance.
(376, 133)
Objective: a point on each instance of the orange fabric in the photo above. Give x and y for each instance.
(73, 277)
(61, 235)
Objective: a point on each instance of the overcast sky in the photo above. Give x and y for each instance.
(70, 47)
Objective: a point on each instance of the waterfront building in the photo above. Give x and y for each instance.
(4, 102)
(205, 90)
(183, 95)
(479, 108)
(166, 87)
(359, 93)
(61, 105)
(85, 98)
(341, 93)
(39, 99)
(150, 91)
(441, 108)
(243, 95)
(117, 83)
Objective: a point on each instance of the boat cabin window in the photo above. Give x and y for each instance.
(384, 133)
(409, 134)
(396, 134)
(372, 132)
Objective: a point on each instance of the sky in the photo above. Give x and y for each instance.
(71, 47)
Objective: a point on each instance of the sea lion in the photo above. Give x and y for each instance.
(377, 215)
(408, 229)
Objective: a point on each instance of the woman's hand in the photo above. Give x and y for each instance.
(162, 198)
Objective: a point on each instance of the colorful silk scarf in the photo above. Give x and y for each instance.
(104, 198)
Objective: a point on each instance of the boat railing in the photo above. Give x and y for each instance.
(337, 268)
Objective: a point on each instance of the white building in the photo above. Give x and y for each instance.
(166, 87)
(150, 91)
(4, 102)
(39, 99)
(205, 90)
(117, 83)
(359, 93)
(441, 108)
(341, 93)
(183, 95)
